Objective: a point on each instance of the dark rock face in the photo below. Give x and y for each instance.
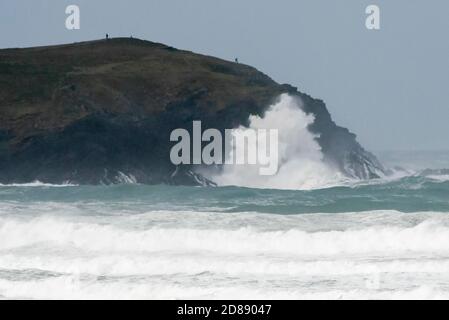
(102, 112)
(340, 146)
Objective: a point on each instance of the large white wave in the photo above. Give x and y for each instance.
(301, 164)
(363, 255)
(427, 236)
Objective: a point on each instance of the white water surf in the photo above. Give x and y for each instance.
(191, 255)
(301, 165)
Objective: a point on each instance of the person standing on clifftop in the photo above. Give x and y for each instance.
(236, 60)
(107, 36)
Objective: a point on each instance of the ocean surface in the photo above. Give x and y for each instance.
(384, 239)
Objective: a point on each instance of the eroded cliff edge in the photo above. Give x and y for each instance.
(102, 112)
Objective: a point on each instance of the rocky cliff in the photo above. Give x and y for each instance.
(102, 112)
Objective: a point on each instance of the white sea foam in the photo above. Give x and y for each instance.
(266, 256)
(73, 287)
(38, 184)
(301, 164)
(428, 236)
(442, 178)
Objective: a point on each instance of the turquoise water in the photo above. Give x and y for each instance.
(409, 194)
(362, 240)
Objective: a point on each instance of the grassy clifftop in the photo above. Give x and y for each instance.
(47, 88)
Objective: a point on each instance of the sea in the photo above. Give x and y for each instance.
(379, 239)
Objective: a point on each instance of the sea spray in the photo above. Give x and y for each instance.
(301, 164)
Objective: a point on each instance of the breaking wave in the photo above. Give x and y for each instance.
(301, 164)
(38, 184)
(90, 257)
(426, 236)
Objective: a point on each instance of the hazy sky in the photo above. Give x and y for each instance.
(390, 87)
